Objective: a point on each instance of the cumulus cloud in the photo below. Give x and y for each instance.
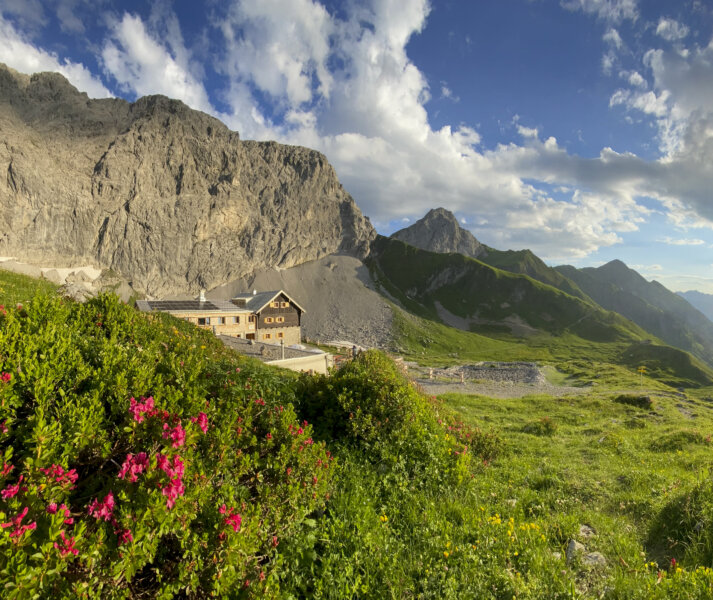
(18, 52)
(142, 65)
(28, 13)
(671, 30)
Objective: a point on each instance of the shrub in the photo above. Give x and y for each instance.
(140, 458)
(676, 440)
(544, 426)
(644, 402)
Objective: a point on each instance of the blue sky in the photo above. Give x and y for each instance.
(582, 129)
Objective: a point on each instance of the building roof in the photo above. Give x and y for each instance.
(190, 306)
(256, 302)
(253, 303)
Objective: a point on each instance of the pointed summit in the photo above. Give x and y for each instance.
(439, 231)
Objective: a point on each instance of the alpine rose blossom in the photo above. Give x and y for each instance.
(177, 434)
(103, 509)
(202, 420)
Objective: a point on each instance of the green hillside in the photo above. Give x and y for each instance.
(143, 459)
(485, 297)
(527, 263)
(648, 304)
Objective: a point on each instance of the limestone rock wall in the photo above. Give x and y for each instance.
(164, 195)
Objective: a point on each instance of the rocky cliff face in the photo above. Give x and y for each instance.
(439, 231)
(165, 195)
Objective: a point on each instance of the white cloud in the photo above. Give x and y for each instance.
(142, 65)
(28, 13)
(18, 52)
(609, 10)
(671, 30)
(67, 13)
(681, 241)
(613, 38)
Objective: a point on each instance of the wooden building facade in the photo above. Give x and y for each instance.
(271, 317)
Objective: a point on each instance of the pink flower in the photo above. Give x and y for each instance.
(124, 536)
(3, 427)
(134, 466)
(234, 521)
(175, 470)
(11, 490)
(172, 491)
(60, 475)
(6, 377)
(52, 509)
(6, 468)
(138, 409)
(19, 529)
(103, 509)
(202, 420)
(177, 434)
(67, 545)
(222, 510)
(269, 436)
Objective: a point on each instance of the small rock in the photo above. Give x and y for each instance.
(573, 548)
(586, 532)
(594, 559)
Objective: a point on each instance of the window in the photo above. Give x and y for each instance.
(280, 335)
(221, 320)
(203, 321)
(267, 336)
(236, 320)
(280, 319)
(268, 319)
(239, 335)
(284, 304)
(251, 319)
(274, 305)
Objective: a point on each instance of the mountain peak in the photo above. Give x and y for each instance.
(439, 231)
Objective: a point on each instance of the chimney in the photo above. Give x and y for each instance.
(201, 298)
(254, 292)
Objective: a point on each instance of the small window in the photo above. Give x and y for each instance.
(280, 335)
(251, 319)
(267, 336)
(284, 304)
(203, 321)
(236, 320)
(221, 320)
(274, 305)
(280, 319)
(268, 319)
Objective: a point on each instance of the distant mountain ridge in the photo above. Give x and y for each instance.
(439, 231)
(703, 302)
(650, 305)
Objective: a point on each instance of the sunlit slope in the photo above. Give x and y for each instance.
(488, 299)
(648, 304)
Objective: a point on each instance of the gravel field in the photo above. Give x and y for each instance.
(337, 294)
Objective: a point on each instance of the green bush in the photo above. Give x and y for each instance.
(644, 402)
(677, 440)
(142, 459)
(544, 426)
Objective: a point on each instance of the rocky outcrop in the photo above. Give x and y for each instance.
(164, 195)
(439, 231)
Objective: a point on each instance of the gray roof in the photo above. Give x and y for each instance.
(256, 302)
(190, 306)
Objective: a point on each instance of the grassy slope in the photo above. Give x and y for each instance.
(527, 263)
(602, 341)
(649, 304)
(391, 532)
(467, 287)
(621, 470)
